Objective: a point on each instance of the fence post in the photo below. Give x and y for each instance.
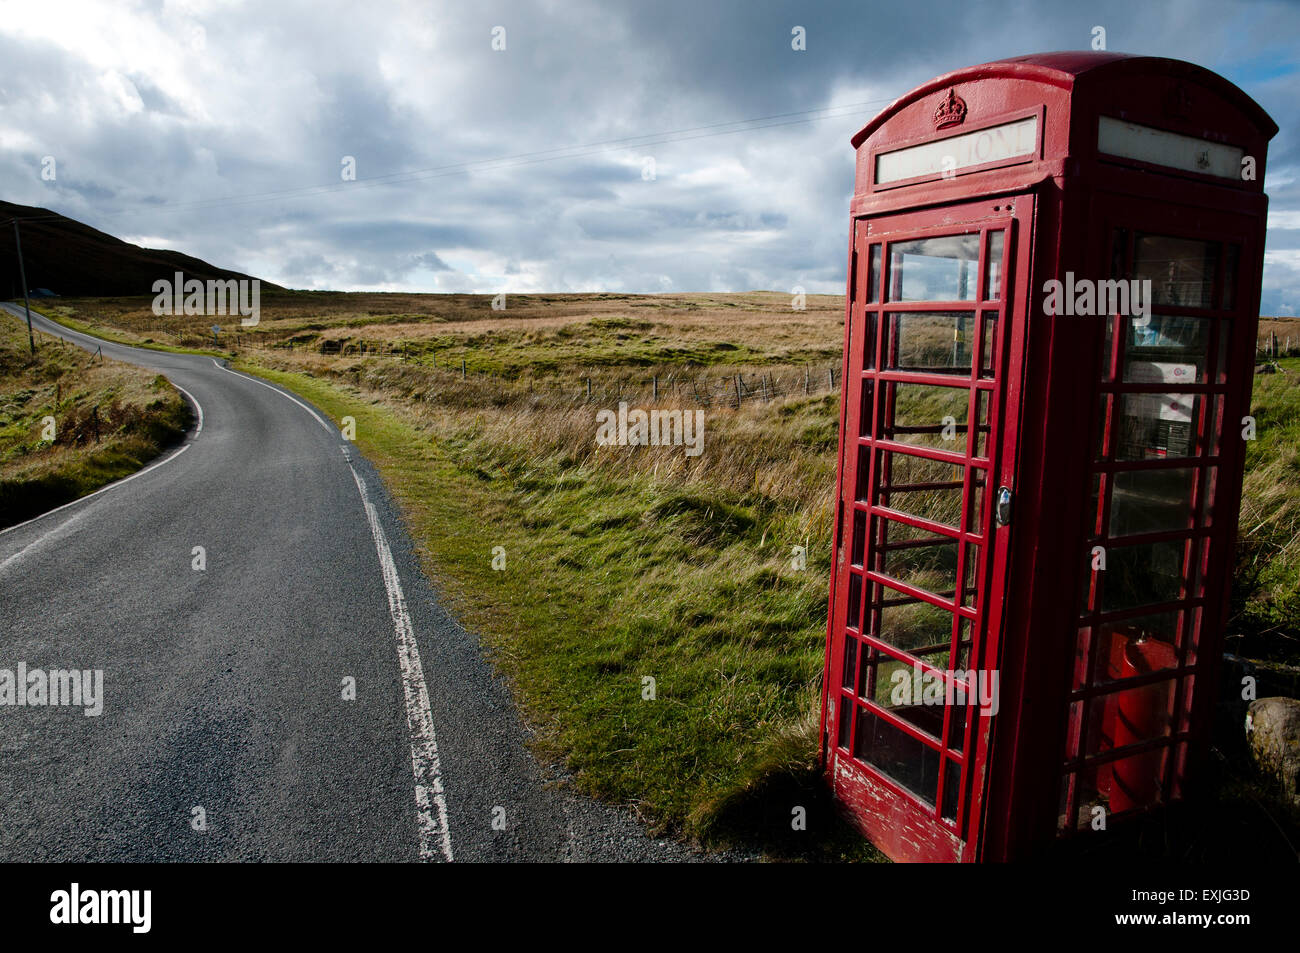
(830, 378)
(656, 389)
(737, 391)
(463, 371)
(589, 390)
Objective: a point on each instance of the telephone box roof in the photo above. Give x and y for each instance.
(1068, 68)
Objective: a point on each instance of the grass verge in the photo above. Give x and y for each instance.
(71, 423)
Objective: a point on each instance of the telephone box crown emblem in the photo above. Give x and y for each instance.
(951, 111)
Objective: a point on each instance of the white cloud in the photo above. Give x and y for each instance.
(247, 108)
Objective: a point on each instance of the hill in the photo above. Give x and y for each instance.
(70, 258)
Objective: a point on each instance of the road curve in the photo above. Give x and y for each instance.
(225, 734)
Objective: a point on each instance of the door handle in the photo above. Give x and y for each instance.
(1003, 511)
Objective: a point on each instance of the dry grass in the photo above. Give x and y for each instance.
(108, 420)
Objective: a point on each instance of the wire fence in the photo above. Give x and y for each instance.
(1273, 346)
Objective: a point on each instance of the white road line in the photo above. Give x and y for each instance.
(430, 801)
(319, 420)
(198, 429)
(59, 530)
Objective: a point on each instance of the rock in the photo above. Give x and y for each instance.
(1273, 734)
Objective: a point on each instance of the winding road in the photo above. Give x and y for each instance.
(225, 733)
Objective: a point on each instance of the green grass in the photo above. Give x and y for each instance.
(1266, 585)
(108, 421)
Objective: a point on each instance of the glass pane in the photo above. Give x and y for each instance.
(863, 475)
(928, 415)
(988, 354)
(914, 625)
(850, 663)
(961, 658)
(934, 341)
(1181, 270)
(1207, 495)
(855, 600)
(1063, 806)
(1214, 421)
(932, 567)
(1156, 426)
(844, 709)
(910, 762)
(1118, 251)
(970, 573)
(1100, 425)
(975, 518)
(951, 782)
(929, 489)
(1151, 501)
(981, 448)
(961, 712)
(866, 408)
(1230, 277)
(1108, 350)
(1142, 575)
(1124, 785)
(1130, 716)
(873, 276)
(1225, 349)
(869, 341)
(1091, 516)
(934, 269)
(1115, 661)
(1166, 350)
(900, 687)
(859, 537)
(993, 277)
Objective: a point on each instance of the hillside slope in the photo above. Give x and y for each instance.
(70, 258)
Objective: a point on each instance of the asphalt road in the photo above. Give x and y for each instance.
(224, 734)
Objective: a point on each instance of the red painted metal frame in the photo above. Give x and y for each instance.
(913, 823)
(1065, 204)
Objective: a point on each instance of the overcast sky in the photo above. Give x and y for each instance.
(150, 107)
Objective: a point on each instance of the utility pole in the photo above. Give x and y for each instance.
(22, 274)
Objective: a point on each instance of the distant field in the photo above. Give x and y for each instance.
(70, 423)
(535, 336)
(626, 563)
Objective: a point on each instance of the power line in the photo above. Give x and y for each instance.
(512, 161)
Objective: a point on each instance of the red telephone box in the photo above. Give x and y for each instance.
(1054, 280)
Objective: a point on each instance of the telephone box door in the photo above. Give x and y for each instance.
(1174, 383)
(927, 494)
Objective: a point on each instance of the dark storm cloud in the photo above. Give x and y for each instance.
(222, 130)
